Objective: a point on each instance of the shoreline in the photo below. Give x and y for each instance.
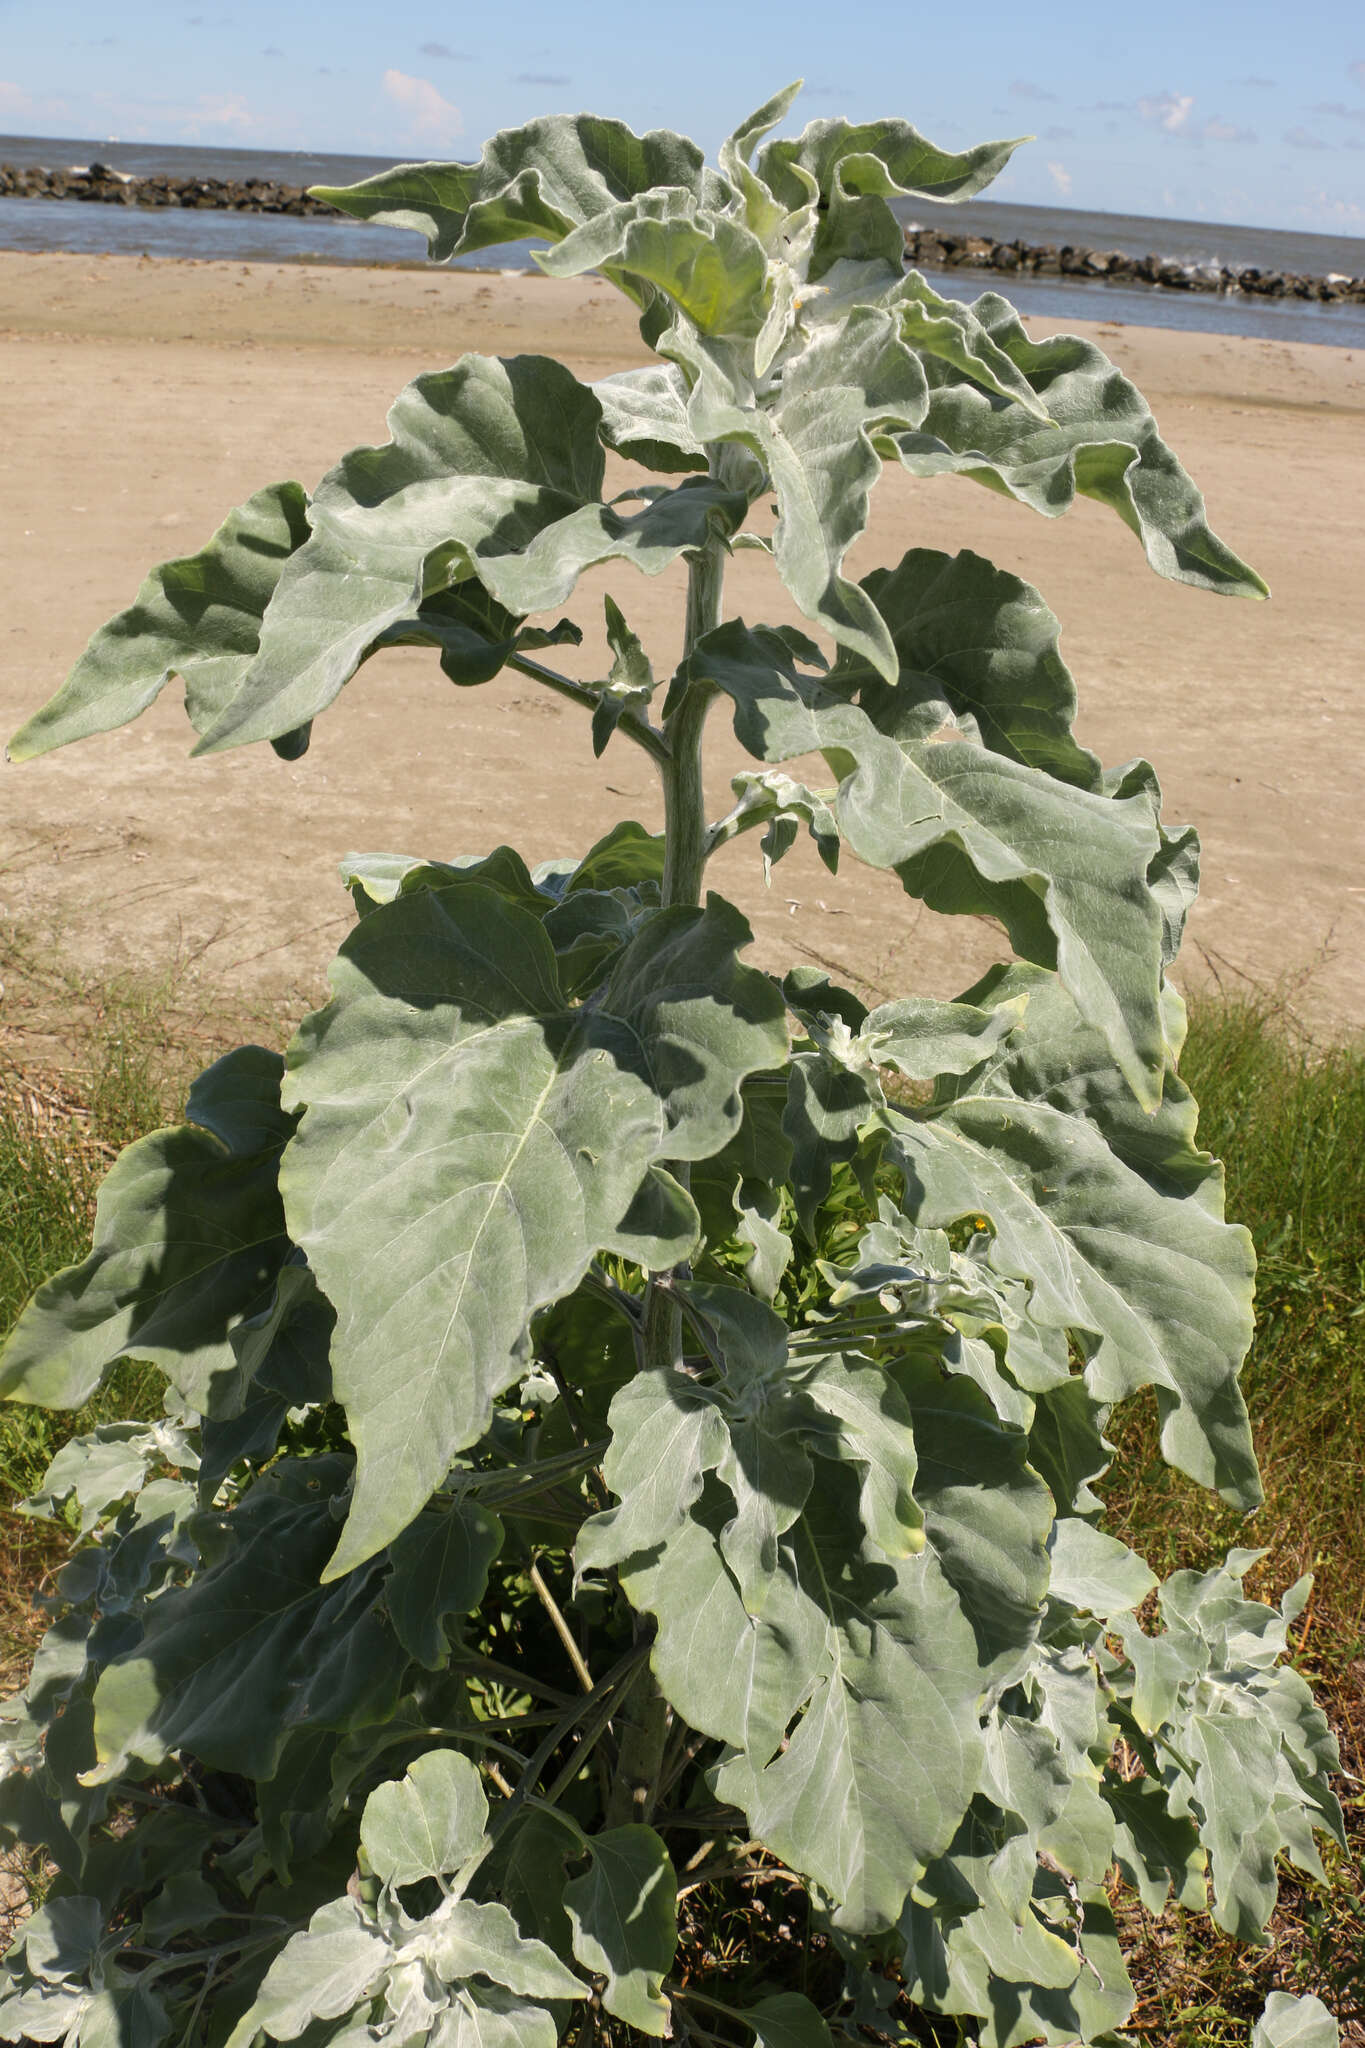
(155, 394)
(935, 249)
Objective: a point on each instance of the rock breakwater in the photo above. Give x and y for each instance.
(932, 249)
(98, 182)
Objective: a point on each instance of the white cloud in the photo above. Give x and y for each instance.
(1325, 206)
(1217, 130)
(1025, 89)
(1305, 138)
(1061, 178)
(218, 110)
(18, 104)
(431, 115)
(1170, 110)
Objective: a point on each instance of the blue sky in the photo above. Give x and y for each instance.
(1181, 108)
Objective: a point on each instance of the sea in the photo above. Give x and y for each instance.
(91, 229)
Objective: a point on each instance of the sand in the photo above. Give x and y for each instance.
(144, 398)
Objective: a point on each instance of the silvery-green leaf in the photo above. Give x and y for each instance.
(1290, 2022)
(320, 1974)
(828, 1103)
(198, 617)
(987, 1514)
(483, 2016)
(882, 1759)
(125, 2014)
(924, 1039)
(785, 2019)
(1157, 1851)
(1094, 1572)
(253, 1645)
(876, 1433)
(978, 649)
(283, 1356)
(426, 1823)
(189, 1234)
(1101, 441)
(476, 635)
(971, 1967)
(820, 443)
(667, 1433)
(473, 1939)
(763, 214)
(711, 267)
(61, 1937)
(970, 830)
(1156, 1290)
(540, 180)
(1234, 1758)
(624, 1911)
(440, 1570)
(856, 167)
(946, 328)
(107, 1465)
(46, 2012)
(494, 468)
(455, 1175)
(630, 684)
(644, 418)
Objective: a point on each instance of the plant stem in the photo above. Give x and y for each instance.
(684, 802)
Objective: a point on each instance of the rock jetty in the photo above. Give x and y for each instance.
(100, 183)
(932, 249)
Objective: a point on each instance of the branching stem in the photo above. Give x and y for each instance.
(632, 722)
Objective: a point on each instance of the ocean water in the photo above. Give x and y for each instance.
(91, 228)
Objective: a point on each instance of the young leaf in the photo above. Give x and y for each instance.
(428, 1822)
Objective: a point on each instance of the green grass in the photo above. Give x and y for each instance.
(1288, 1121)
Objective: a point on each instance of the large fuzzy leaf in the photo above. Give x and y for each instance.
(254, 1645)
(198, 617)
(189, 1236)
(471, 1142)
(1112, 1213)
(1100, 440)
(796, 1621)
(541, 180)
(624, 1912)
(978, 649)
(493, 469)
(971, 830)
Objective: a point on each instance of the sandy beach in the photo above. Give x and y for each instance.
(144, 398)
